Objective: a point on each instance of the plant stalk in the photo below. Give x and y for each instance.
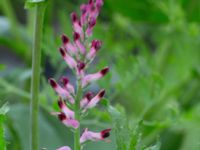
(77, 145)
(35, 79)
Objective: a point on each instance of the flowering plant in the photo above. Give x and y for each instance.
(78, 55)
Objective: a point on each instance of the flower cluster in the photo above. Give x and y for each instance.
(78, 54)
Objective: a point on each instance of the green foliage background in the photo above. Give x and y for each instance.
(152, 48)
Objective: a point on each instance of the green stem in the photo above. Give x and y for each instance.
(35, 80)
(77, 145)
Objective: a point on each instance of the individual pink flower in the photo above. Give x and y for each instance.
(68, 45)
(93, 102)
(93, 77)
(95, 46)
(77, 24)
(99, 4)
(64, 148)
(69, 113)
(84, 13)
(91, 24)
(94, 136)
(67, 121)
(68, 59)
(61, 91)
(87, 98)
(78, 43)
(67, 85)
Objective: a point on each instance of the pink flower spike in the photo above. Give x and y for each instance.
(91, 24)
(61, 92)
(68, 59)
(78, 43)
(67, 45)
(68, 122)
(94, 136)
(87, 98)
(95, 46)
(64, 148)
(93, 102)
(76, 24)
(93, 77)
(67, 85)
(69, 113)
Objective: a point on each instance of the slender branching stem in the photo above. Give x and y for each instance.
(35, 80)
(77, 145)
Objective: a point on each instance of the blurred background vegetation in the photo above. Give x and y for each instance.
(152, 48)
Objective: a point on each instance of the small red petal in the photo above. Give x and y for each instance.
(76, 36)
(74, 17)
(104, 71)
(90, 1)
(65, 80)
(83, 8)
(97, 44)
(89, 96)
(102, 93)
(92, 22)
(60, 103)
(62, 51)
(105, 133)
(80, 65)
(65, 39)
(53, 83)
(62, 116)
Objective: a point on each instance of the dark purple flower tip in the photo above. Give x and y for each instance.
(62, 116)
(105, 133)
(83, 8)
(96, 44)
(92, 22)
(89, 96)
(65, 39)
(62, 51)
(76, 36)
(74, 17)
(92, 8)
(104, 71)
(60, 103)
(65, 80)
(80, 65)
(102, 93)
(90, 1)
(99, 4)
(52, 83)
